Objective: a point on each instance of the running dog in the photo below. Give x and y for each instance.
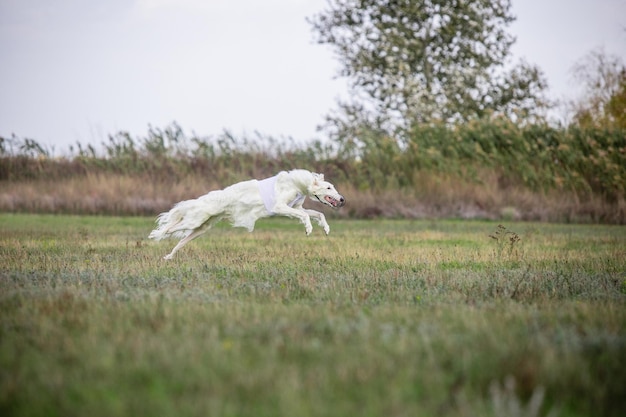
(246, 202)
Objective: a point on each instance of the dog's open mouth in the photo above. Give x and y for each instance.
(334, 202)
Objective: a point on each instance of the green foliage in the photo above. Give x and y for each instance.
(428, 61)
(539, 157)
(603, 102)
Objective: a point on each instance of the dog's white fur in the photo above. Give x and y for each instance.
(246, 202)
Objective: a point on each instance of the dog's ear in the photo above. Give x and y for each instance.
(317, 178)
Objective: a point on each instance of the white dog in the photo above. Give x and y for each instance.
(246, 202)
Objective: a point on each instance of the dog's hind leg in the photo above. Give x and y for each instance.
(183, 242)
(197, 232)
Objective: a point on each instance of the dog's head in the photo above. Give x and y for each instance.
(325, 192)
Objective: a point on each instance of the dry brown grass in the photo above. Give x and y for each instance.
(437, 196)
(441, 196)
(97, 194)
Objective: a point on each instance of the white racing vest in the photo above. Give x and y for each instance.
(268, 194)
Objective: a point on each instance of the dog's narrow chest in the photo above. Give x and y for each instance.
(268, 193)
(267, 189)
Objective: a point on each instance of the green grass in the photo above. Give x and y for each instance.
(395, 318)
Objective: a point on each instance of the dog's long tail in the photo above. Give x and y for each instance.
(182, 219)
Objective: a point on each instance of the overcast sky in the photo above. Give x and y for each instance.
(75, 70)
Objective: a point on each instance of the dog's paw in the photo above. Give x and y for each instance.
(326, 228)
(168, 257)
(308, 228)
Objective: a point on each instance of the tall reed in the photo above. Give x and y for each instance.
(478, 169)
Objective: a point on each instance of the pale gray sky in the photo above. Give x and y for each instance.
(75, 71)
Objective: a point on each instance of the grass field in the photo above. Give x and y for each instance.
(381, 318)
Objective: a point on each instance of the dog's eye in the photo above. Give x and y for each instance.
(328, 188)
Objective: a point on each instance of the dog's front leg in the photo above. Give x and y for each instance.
(300, 214)
(321, 219)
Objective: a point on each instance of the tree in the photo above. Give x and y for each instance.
(419, 61)
(603, 101)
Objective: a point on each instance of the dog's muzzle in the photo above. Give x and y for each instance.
(335, 202)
